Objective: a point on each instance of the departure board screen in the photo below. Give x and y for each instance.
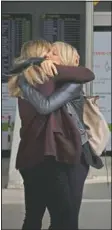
(62, 27)
(16, 29)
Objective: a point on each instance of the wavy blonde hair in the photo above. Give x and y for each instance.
(67, 53)
(32, 73)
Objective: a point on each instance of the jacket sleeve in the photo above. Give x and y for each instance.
(18, 68)
(46, 105)
(75, 74)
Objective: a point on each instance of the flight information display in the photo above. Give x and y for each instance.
(16, 29)
(62, 27)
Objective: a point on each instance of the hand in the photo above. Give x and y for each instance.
(49, 68)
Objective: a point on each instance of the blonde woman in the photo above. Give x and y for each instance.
(48, 181)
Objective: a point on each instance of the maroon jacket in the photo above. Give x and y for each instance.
(39, 133)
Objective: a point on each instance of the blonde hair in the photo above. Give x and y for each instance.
(32, 73)
(67, 53)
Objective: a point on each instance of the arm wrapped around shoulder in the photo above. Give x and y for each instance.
(78, 74)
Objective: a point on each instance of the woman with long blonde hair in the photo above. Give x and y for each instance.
(50, 180)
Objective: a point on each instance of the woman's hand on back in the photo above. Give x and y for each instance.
(49, 68)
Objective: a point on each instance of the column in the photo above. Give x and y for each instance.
(89, 42)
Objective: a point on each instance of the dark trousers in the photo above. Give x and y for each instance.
(58, 187)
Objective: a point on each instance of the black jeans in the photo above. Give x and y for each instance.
(58, 187)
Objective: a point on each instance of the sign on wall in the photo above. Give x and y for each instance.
(102, 70)
(8, 117)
